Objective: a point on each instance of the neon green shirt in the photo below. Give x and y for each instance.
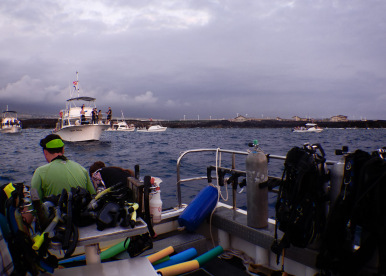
(53, 177)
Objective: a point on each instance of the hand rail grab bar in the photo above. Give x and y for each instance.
(233, 152)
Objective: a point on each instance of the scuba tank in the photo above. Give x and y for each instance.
(337, 172)
(257, 196)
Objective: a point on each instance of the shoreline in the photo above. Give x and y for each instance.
(266, 123)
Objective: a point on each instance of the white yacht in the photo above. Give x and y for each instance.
(75, 122)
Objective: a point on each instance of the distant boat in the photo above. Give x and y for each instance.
(309, 127)
(72, 126)
(153, 128)
(121, 126)
(9, 122)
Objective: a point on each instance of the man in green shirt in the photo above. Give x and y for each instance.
(60, 173)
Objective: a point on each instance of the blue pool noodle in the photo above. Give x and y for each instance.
(73, 259)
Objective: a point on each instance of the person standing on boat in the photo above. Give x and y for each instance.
(82, 115)
(109, 114)
(104, 177)
(99, 116)
(60, 173)
(94, 116)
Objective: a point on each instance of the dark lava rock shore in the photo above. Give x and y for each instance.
(50, 123)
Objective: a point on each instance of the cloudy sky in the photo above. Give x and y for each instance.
(196, 59)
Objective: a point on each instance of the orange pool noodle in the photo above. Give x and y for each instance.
(160, 254)
(179, 268)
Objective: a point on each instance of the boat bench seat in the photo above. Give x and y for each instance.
(235, 223)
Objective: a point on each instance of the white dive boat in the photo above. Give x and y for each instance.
(9, 122)
(153, 128)
(121, 126)
(74, 127)
(309, 127)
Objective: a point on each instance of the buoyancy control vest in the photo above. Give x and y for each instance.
(359, 212)
(300, 206)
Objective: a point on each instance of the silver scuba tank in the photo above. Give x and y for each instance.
(337, 172)
(257, 197)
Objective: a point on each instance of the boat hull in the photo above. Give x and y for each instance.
(309, 127)
(121, 126)
(11, 129)
(127, 130)
(315, 130)
(81, 132)
(141, 130)
(153, 129)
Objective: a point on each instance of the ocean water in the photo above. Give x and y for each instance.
(157, 153)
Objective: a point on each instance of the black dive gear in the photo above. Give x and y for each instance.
(108, 216)
(358, 212)
(16, 234)
(300, 206)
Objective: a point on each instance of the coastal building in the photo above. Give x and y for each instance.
(339, 118)
(297, 118)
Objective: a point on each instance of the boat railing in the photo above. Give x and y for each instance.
(67, 118)
(273, 181)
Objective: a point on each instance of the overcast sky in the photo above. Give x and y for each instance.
(196, 59)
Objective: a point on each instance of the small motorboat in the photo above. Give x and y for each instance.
(75, 121)
(121, 125)
(153, 128)
(309, 127)
(9, 122)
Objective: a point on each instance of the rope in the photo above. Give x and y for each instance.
(219, 194)
(218, 164)
(246, 259)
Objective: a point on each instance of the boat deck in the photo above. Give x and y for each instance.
(182, 241)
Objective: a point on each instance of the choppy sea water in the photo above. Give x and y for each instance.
(157, 153)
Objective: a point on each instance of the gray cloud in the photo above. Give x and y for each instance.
(208, 58)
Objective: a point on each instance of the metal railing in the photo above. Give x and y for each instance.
(230, 170)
